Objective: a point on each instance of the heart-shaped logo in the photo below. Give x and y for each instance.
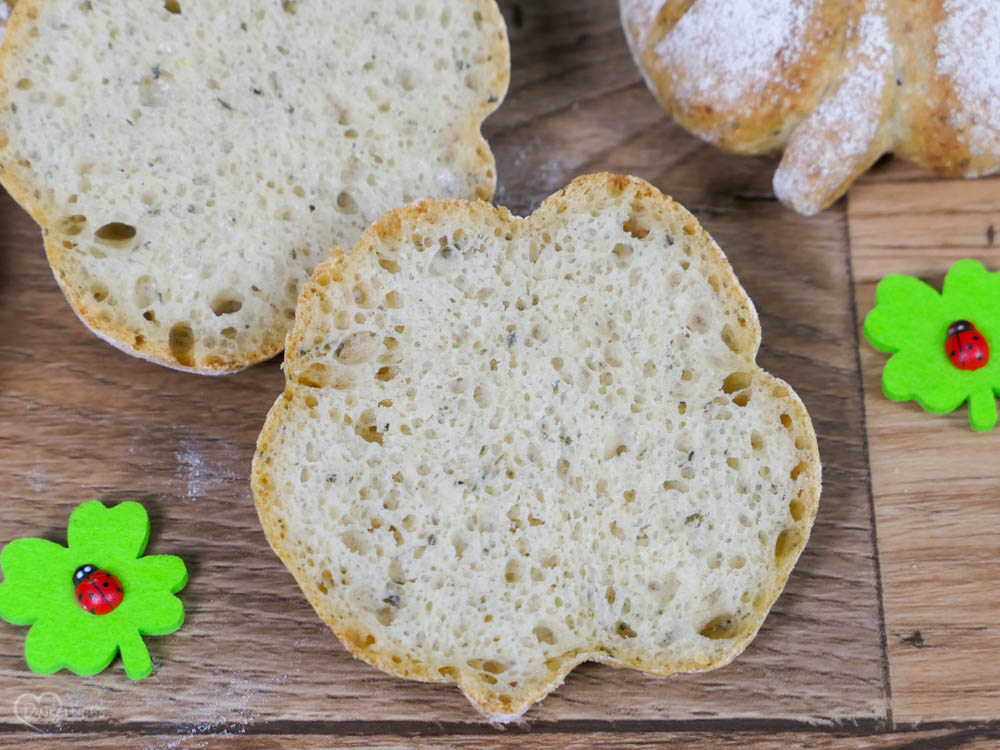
(32, 709)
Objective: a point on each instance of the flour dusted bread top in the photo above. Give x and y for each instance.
(4, 15)
(191, 162)
(507, 446)
(833, 84)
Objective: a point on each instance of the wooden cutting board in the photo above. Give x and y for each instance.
(888, 632)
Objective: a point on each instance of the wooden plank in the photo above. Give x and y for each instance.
(959, 738)
(935, 484)
(81, 420)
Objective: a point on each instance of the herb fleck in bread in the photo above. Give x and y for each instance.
(507, 446)
(191, 162)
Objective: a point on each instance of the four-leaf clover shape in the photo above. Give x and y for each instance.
(911, 321)
(39, 590)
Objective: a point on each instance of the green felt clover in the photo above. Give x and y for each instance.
(39, 590)
(911, 321)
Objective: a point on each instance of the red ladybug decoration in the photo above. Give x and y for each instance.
(966, 347)
(97, 591)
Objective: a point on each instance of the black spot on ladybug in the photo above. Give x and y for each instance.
(79, 597)
(106, 584)
(966, 347)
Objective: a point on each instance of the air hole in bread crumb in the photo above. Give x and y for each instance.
(785, 543)
(624, 630)
(181, 343)
(115, 234)
(786, 421)
(389, 265)
(729, 338)
(797, 510)
(367, 428)
(385, 374)
(346, 203)
(356, 348)
(24, 84)
(798, 469)
(636, 227)
(396, 572)
(544, 634)
(495, 667)
(99, 291)
(513, 572)
(229, 333)
(756, 441)
(72, 225)
(385, 616)
(721, 628)
(609, 594)
(623, 255)
(733, 463)
(736, 381)
(226, 303)
(173, 6)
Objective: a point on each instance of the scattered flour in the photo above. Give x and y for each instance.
(968, 51)
(38, 480)
(200, 476)
(760, 37)
(836, 140)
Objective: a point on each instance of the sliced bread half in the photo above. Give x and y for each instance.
(508, 446)
(191, 162)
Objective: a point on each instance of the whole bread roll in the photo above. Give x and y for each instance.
(508, 446)
(191, 161)
(833, 84)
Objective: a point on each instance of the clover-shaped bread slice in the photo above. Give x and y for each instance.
(508, 446)
(190, 162)
(833, 84)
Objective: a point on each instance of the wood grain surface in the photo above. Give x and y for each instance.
(253, 666)
(935, 483)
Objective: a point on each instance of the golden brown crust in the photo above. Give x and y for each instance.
(915, 114)
(353, 635)
(129, 338)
